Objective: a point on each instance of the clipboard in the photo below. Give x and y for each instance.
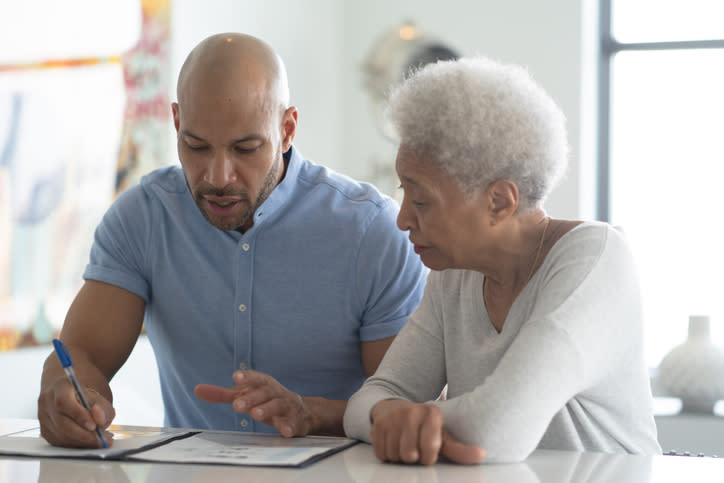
(174, 445)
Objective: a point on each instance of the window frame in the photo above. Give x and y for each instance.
(608, 48)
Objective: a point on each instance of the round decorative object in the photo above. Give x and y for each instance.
(395, 54)
(694, 371)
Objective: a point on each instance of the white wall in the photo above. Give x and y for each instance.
(544, 36)
(136, 390)
(324, 42)
(307, 34)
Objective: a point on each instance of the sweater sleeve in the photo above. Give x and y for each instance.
(413, 367)
(568, 338)
(586, 298)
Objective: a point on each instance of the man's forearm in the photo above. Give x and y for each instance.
(326, 415)
(89, 376)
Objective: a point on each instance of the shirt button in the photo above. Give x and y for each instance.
(245, 247)
(244, 423)
(242, 366)
(242, 308)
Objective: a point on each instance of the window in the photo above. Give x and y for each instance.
(661, 157)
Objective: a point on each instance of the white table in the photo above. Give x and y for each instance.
(358, 464)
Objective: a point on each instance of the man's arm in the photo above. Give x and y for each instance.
(327, 414)
(100, 330)
(373, 352)
(267, 401)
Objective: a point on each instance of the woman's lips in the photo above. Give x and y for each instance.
(419, 249)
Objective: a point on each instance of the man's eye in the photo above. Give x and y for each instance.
(417, 203)
(195, 147)
(246, 150)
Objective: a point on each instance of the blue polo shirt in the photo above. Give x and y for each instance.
(323, 268)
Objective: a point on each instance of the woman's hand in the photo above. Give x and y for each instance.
(413, 433)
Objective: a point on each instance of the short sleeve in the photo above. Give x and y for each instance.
(120, 244)
(390, 277)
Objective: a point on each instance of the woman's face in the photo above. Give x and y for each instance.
(446, 229)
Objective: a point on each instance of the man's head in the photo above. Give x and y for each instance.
(233, 124)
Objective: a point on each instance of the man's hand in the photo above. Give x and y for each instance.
(264, 399)
(413, 433)
(65, 422)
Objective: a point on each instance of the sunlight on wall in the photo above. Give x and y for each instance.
(42, 30)
(667, 154)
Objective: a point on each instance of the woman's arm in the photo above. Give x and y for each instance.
(583, 329)
(413, 367)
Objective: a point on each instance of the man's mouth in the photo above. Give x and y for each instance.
(222, 207)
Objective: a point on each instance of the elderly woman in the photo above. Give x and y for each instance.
(533, 323)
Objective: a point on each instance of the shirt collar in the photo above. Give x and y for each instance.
(283, 192)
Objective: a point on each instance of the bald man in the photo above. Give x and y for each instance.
(269, 286)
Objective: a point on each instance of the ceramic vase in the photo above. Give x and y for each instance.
(694, 371)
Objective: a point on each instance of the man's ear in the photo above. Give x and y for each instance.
(503, 197)
(289, 127)
(174, 111)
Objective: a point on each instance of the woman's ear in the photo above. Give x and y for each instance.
(502, 196)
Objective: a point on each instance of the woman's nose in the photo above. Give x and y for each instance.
(405, 218)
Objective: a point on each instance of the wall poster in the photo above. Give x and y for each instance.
(74, 132)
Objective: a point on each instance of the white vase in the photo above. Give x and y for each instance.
(694, 371)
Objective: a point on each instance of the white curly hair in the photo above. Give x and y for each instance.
(480, 121)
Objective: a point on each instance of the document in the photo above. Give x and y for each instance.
(126, 441)
(173, 445)
(237, 448)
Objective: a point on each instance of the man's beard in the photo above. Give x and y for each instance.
(241, 219)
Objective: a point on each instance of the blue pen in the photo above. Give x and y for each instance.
(67, 364)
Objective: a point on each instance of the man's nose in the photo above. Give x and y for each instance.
(220, 172)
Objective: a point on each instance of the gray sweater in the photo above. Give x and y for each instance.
(566, 371)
